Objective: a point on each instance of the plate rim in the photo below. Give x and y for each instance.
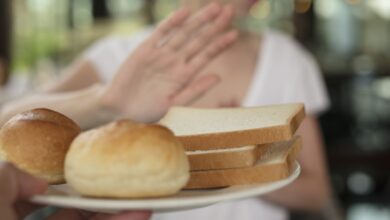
(167, 203)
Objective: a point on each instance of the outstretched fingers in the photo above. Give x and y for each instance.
(168, 25)
(196, 23)
(196, 64)
(209, 33)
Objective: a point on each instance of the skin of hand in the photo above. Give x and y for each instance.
(73, 214)
(161, 72)
(16, 187)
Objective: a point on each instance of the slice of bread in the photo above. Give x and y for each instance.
(224, 158)
(275, 163)
(205, 129)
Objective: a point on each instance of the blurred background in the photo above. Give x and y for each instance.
(350, 39)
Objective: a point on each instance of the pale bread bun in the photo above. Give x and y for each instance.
(37, 141)
(125, 159)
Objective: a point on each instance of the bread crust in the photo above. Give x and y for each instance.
(37, 141)
(125, 159)
(265, 170)
(237, 138)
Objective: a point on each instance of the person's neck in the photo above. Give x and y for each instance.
(246, 44)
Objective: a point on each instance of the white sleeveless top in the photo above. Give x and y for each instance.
(285, 73)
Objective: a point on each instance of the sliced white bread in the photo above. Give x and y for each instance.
(275, 163)
(224, 158)
(205, 129)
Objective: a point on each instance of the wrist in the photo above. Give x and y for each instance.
(106, 110)
(110, 105)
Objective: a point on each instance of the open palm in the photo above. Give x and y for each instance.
(162, 71)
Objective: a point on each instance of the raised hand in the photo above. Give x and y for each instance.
(162, 71)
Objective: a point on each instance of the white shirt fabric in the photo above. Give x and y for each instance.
(285, 73)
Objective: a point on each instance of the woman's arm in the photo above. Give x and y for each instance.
(82, 74)
(311, 191)
(159, 74)
(77, 95)
(83, 106)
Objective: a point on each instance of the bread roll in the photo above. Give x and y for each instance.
(127, 160)
(37, 141)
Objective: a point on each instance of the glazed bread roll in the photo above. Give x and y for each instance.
(37, 141)
(125, 159)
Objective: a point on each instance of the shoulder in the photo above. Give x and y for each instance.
(283, 50)
(285, 45)
(295, 70)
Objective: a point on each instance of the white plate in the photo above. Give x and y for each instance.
(64, 196)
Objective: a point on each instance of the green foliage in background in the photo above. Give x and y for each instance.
(31, 47)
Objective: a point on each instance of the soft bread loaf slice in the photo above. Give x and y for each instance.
(275, 163)
(224, 158)
(205, 129)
